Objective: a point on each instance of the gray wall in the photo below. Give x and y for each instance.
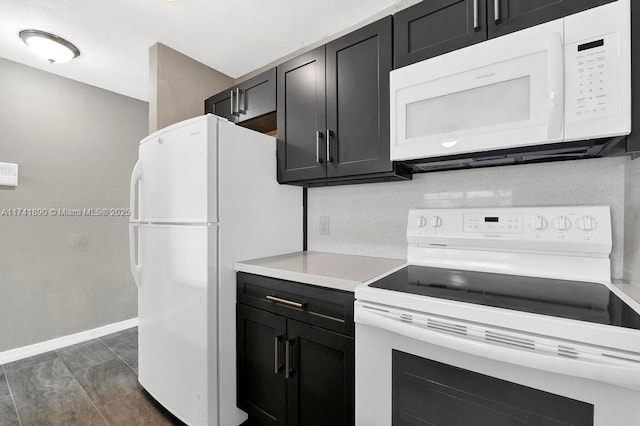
(370, 219)
(75, 145)
(178, 86)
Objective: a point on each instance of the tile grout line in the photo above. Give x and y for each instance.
(119, 357)
(15, 407)
(84, 392)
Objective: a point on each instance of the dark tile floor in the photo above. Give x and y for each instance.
(91, 383)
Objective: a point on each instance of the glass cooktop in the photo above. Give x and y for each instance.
(582, 301)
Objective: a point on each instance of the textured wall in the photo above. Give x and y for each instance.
(75, 145)
(178, 86)
(632, 224)
(370, 219)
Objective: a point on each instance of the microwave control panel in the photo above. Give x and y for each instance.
(591, 88)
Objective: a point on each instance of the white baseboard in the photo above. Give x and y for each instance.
(60, 342)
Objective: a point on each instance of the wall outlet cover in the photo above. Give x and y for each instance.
(324, 225)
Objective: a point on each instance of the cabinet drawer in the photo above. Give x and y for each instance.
(326, 308)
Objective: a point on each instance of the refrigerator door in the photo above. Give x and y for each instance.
(177, 331)
(178, 173)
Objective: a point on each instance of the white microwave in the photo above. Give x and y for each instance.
(562, 81)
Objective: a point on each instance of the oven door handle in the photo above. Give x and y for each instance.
(623, 373)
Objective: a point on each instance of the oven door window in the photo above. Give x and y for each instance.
(430, 392)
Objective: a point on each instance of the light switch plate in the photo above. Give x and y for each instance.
(324, 225)
(8, 174)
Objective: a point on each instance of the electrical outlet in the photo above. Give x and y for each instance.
(324, 225)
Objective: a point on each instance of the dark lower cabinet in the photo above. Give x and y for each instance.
(292, 371)
(321, 383)
(261, 380)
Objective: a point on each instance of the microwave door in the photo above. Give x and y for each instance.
(503, 93)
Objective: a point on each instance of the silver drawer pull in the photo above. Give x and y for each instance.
(285, 302)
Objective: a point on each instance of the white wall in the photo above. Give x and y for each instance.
(370, 219)
(75, 145)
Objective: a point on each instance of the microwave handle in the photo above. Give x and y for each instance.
(556, 85)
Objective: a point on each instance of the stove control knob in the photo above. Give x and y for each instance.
(587, 223)
(539, 223)
(436, 221)
(562, 223)
(422, 221)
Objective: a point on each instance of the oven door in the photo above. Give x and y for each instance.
(408, 374)
(502, 93)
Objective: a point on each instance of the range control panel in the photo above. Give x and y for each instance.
(581, 229)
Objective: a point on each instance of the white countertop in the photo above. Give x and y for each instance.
(332, 270)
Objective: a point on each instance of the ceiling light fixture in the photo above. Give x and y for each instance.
(49, 46)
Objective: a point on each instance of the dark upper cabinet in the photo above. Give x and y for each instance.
(251, 103)
(357, 75)
(434, 27)
(291, 370)
(507, 16)
(301, 117)
(333, 116)
(256, 96)
(320, 376)
(220, 105)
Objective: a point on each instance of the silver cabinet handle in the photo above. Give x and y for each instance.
(237, 101)
(496, 10)
(476, 23)
(329, 158)
(242, 99)
(276, 354)
(287, 362)
(232, 110)
(285, 302)
(318, 137)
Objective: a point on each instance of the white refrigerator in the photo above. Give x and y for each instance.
(203, 195)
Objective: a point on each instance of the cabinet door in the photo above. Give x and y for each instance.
(220, 105)
(260, 365)
(434, 27)
(358, 67)
(257, 96)
(320, 390)
(507, 16)
(301, 117)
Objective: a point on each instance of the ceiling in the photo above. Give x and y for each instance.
(232, 36)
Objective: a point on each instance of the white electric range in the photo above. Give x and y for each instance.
(502, 316)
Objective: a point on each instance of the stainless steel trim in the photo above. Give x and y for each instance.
(328, 138)
(232, 111)
(285, 302)
(318, 137)
(496, 10)
(476, 23)
(276, 345)
(287, 363)
(238, 101)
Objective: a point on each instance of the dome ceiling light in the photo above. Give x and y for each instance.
(49, 46)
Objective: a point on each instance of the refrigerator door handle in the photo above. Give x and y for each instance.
(136, 176)
(136, 269)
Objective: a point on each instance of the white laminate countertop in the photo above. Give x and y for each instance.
(332, 270)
